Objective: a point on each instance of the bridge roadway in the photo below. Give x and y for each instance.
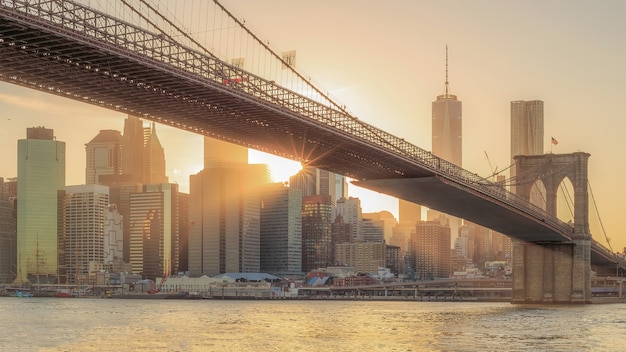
(67, 49)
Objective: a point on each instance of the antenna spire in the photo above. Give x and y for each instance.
(447, 88)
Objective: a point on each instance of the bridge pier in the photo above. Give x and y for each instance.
(552, 273)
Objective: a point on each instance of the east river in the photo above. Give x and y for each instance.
(75, 324)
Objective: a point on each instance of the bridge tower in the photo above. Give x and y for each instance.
(554, 272)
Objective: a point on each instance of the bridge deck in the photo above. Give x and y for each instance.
(436, 193)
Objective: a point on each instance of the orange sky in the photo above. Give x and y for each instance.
(385, 61)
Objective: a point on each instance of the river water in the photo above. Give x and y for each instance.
(74, 324)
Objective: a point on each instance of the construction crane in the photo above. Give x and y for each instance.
(159, 287)
(493, 171)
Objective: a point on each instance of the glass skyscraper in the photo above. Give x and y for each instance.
(41, 177)
(154, 230)
(281, 230)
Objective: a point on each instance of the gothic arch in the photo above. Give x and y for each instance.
(552, 169)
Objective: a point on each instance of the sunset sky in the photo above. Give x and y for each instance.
(386, 62)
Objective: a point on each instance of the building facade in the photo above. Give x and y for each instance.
(316, 232)
(40, 179)
(113, 236)
(447, 133)
(104, 156)
(153, 159)
(526, 128)
(154, 231)
(312, 181)
(350, 210)
(281, 230)
(8, 231)
(85, 209)
(224, 212)
(430, 248)
(364, 257)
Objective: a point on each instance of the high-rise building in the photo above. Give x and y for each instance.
(153, 158)
(281, 230)
(526, 138)
(341, 232)
(143, 156)
(350, 210)
(224, 213)
(142, 163)
(373, 230)
(316, 232)
(447, 127)
(388, 222)
(154, 230)
(183, 232)
(526, 128)
(409, 213)
(113, 236)
(133, 148)
(447, 132)
(104, 156)
(393, 259)
(430, 248)
(313, 181)
(85, 208)
(40, 178)
(120, 189)
(8, 231)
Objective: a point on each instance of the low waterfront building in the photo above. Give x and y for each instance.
(218, 286)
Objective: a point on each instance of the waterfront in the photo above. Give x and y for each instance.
(54, 324)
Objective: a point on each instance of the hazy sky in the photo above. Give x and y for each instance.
(386, 61)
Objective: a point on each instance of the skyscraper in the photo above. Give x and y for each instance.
(142, 154)
(350, 210)
(104, 156)
(447, 129)
(154, 230)
(8, 232)
(224, 212)
(132, 148)
(281, 230)
(143, 162)
(430, 248)
(316, 232)
(84, 210)
(113, 235)
(153, 158)
(313, 181)
(447, 132)
(526, 128)
(40, 178)
(526, 134)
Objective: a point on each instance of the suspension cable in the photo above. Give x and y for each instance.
(175, 27)
(568, 198)
(608, 241)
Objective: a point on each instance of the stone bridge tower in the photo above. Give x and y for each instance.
(554, 272)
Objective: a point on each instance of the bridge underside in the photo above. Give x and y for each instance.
(69, 64)
(435, 193)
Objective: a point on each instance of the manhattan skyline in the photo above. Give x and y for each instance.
(386, 63)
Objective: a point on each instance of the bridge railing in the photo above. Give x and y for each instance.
(127, 40)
